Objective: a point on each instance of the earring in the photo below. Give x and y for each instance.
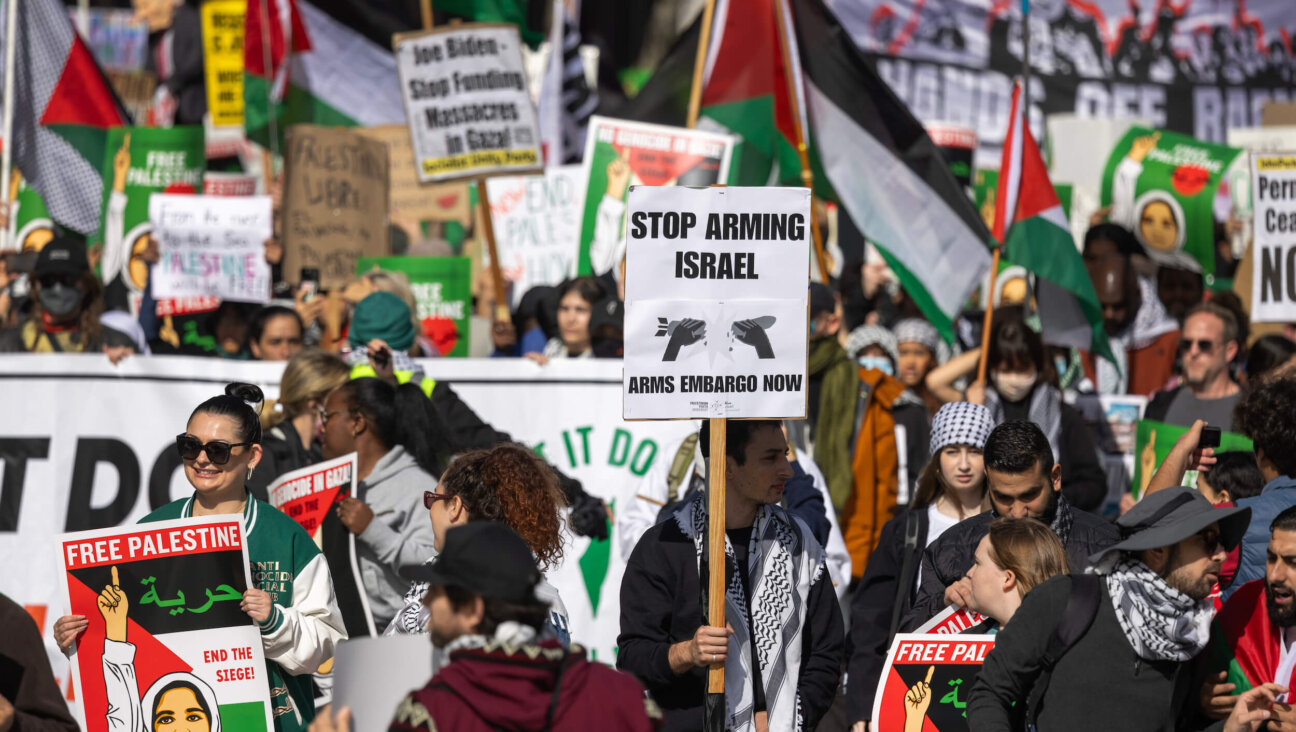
(249, 473)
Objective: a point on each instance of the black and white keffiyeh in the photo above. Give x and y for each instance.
(1160, 622)
(784, 561)
(960, 423)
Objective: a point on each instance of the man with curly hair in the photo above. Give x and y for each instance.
(783, 646)
(1265, 416)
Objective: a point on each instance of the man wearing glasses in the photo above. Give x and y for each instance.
(1208, 345)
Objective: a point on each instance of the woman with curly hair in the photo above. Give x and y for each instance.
(509, 484)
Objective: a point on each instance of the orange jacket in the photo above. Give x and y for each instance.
(875, 465)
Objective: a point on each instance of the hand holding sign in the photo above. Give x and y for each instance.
(752, 332)
(917, 701)
(257, 604)
(113, 606)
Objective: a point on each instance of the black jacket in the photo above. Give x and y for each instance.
(281, 452)
(872, 605)
(661, 605)
(948, 558)
(1098, 684)
(25, 676)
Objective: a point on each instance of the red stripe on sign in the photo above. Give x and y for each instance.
(152, 544)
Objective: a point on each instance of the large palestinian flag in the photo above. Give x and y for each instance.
(326, 63)
(1245, 644)
(63, 107)
(1033, 227)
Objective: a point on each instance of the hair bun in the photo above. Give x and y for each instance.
(250, 394)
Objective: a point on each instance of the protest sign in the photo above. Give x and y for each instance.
(537, 225)
(372, 676)
(985, 186)
(619, 154)
(162, 600)
(116, 37)
(957, 144)
(211, 246)
(442, 288)
(1273, 277)
(30, 224)
(467, 103)
(716, 302)
(308, 496)
(229, 184)
(135, 89)
(141, 161)
(1153, 442)
(222, 38)
(938, 670)
(1123, 413)
(335, 202)
(951, 620)
(410, 198)
(1162, 186)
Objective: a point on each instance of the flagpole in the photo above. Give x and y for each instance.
(1025, 8)
(794, 99)
(699, 64)
(6, 158)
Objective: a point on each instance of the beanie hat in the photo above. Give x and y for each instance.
(872, 335)
(960, 423)
(384, 316)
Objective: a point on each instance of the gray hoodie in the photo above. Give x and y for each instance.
(400, 536)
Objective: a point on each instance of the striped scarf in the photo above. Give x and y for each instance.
(784, 561)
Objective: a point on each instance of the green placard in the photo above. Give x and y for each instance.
(1154, 440)
(442, 288)
(138, 162)
(985, 184)
(1162, 186)
(31, 226)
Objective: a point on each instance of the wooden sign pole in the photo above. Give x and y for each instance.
(716, 544)
(497, 275)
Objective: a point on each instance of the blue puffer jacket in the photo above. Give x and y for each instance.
(1279, 494)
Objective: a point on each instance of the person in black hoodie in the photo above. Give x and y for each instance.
(1024, 482)
(951, 487)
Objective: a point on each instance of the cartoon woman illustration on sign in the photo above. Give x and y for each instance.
(176, 702)
(1156, 217)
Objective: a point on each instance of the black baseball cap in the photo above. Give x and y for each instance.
(486, 558)
(821, 299)
(62, 256)
(1169, 516)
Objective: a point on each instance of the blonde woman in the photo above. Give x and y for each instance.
(291, 439)
(1014, 556)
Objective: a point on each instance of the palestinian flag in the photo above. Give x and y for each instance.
(63, 107)
(326, 63)
(887, 172)
(1244, 643)
(1038, 238)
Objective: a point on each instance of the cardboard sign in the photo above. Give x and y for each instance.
(467, 103)
(1273, 197)
(335, 202)
(135, 89)
(619, 154)
(442, 288)
(537, 225)
(1162, 186)
(222, 33)
(163, 604)
(211, 246)
(951, 620)
(410, 198)
(1153, 442)
(716, 302)
(138, 162)
(926, 681)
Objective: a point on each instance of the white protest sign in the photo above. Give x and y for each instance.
(1273, 199)
(372, 675)
(716, 299)
(467, 103)
(211, 246)
(537, 225)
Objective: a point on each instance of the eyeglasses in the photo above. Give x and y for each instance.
(1203, 345)
(218, 452)
(431, 497)
(326, 414)
(1211, 540)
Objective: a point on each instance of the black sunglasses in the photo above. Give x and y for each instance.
(430, 498)
(1211, 540)
(1203, 345)
(217, 451)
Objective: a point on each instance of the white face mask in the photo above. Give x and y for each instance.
(1014, 387)
(881, 363)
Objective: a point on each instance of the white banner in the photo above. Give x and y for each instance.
(467, 102)
(716, 297)
(1273, 198)
(211, 246)
(88, 445)
(537, 226)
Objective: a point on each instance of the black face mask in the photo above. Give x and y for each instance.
(59, 299)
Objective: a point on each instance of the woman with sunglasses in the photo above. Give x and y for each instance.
(299, 620)
(509, 484)
(392, 430)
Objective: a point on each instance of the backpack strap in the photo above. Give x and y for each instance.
(907, 570)
(1081, 608)
(680, 467)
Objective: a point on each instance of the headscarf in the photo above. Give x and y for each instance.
(960, 423)
(872, 335)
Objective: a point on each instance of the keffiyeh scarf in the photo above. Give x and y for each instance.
(784, 561)
(1160, 622)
